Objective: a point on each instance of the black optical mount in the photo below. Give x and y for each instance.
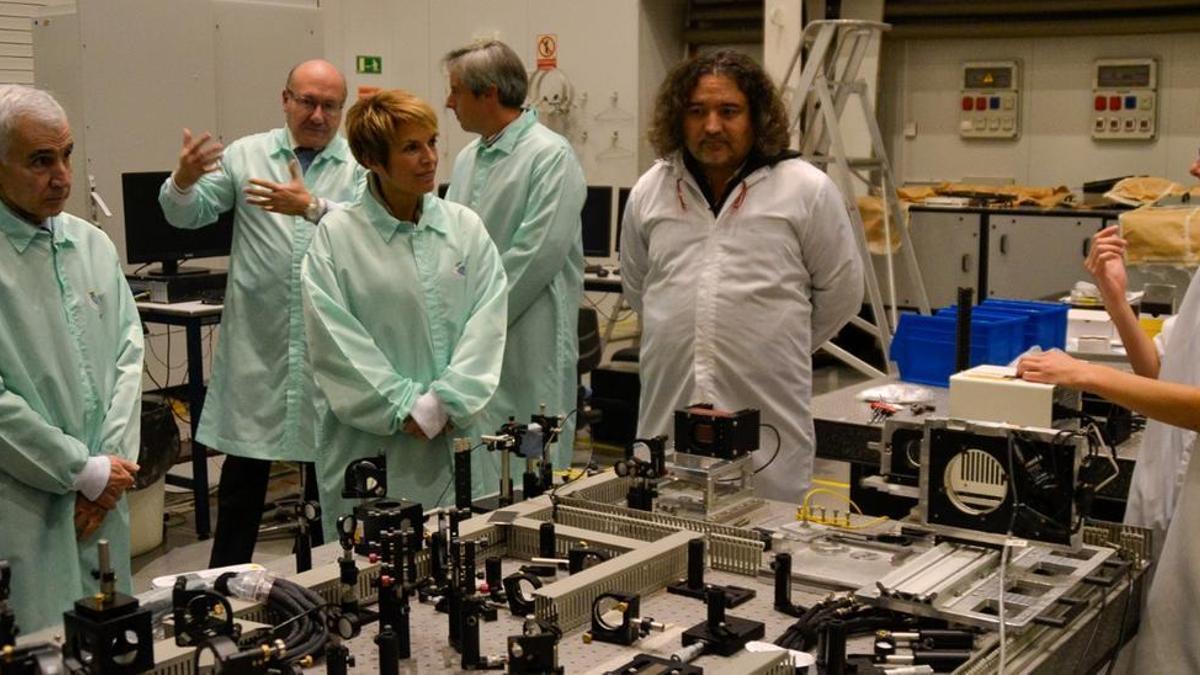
(109, 632)
(304, 516)
(201, 615)
(540, 477)
(506, 441)
(628, 627)
(648, 664)
(229, 658)
(645, 472)
(35, 659)
(721, 633)
(365, 479)
(694, 587)
(535, 650)
(8, 619)
(782, 568)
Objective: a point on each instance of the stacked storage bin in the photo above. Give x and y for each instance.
(1001, 330)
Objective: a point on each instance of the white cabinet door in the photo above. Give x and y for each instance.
(1037, 257)
(947, 249)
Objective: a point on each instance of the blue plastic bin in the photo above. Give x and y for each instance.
(1045, 322)
(923, 346)
(1049, 321)
(1029, 334)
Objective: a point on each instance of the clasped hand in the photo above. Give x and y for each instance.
(89, 515)
(413, 429)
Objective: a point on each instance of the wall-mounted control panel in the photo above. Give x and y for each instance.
(1125, 100)
(990, 104)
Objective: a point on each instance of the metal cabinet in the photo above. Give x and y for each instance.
(1036, 257)
(1001, 253)
(947, 248)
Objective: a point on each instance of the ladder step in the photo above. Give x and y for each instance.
(723, 36)
(726, 13)
(855, 163)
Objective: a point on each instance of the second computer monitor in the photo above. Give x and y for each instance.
(149, 238)
(597, 222)
(622, 200)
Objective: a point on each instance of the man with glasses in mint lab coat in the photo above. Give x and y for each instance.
(280, 183)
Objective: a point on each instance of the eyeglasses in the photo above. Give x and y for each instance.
(310, 104)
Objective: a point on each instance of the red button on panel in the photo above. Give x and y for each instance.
(1101, 103)
(981, 103)
(967, 103)
(1114, 102)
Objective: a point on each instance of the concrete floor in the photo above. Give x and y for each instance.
(180, 551)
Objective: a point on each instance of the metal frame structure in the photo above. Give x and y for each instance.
(830, 75)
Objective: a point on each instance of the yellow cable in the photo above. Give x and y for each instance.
(825, 482)
(806, 512)
(861, 526)
(808, 495)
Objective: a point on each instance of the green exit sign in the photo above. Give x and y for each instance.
(370, 64)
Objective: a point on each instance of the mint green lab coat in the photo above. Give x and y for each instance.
(259, 401)
(70, 389)
(395, 310)
(529, 190)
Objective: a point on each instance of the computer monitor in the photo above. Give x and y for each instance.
(149, 238)
(597, 222)
(622, 200)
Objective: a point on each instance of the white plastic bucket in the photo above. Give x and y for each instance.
(146, 517)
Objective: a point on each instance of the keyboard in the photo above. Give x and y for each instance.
(215, 296)
(601, 270)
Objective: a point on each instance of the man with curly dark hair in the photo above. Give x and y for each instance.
(740, 259)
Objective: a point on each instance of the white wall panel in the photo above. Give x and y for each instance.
(398, 32)
(596, 53)
(16, 50)
(16, 37)
(139, 92)
(58, 55)
(921, 89)
(20, 9)
(252, 61)
(660, 47)
(453, 23)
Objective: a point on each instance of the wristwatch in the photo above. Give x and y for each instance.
(312, 212)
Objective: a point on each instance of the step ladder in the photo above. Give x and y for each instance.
(829, 79)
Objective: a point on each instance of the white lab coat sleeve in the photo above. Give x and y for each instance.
(549, 227)
(470, 379)
(94, 478)
(364, 391)
(121, 432)
(635, 255)
(429, 414)
(34, 451)
(834, 265)
(212, 195)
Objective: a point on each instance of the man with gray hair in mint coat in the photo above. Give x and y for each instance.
(70, 373)
(526, 184)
